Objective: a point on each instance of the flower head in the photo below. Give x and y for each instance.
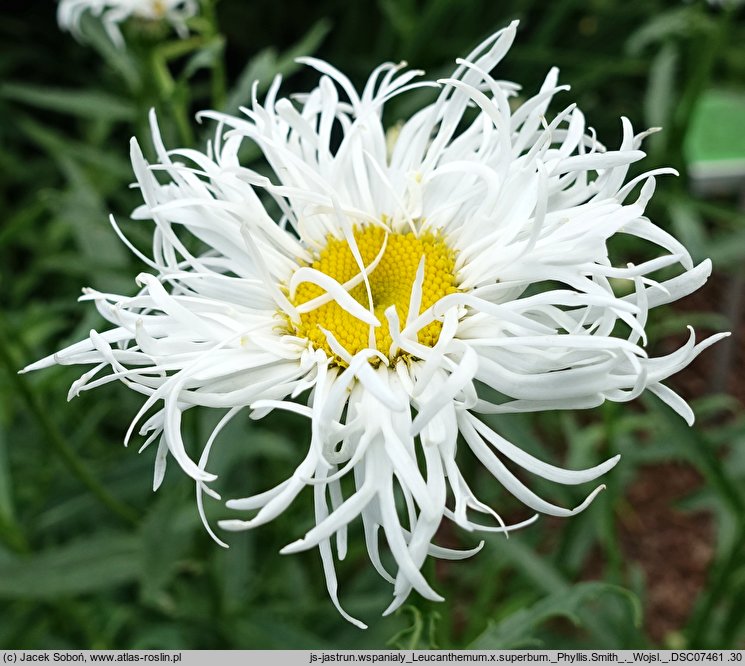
(114, 12)
(402, 275)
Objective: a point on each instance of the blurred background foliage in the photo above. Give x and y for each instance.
(90, 558)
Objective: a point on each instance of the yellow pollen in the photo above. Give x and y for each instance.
(159, 8)
(391, 283)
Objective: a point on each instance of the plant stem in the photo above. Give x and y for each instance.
(219, 77)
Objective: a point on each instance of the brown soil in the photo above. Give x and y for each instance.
(720, 368)
(674, 548)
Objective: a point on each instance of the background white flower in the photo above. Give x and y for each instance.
(395, 282)
(114, 12)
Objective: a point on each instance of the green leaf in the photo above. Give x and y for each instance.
(120, 60)
(11, 533)
(205, 58)
(235, 569)
(85, 565)
(270, 632)
(102, 161)
(518, 630)
(661, 93)
(7, 509)
(698, 449)
(680, 21)
(266, 64)
(403, 17)
(80, 103)
(80, 207)
(689, 226)
(166, 537)
(536, 568)
(422, 632)
(728, 250)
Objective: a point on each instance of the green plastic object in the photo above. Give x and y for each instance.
(715, 144)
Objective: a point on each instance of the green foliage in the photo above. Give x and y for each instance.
(519, 629)
(90, 558)
(90, 104)
(92, 564)
(421, 635)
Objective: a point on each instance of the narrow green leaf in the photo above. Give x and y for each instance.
(690, 228)
(205, 58)
(83, 566)
(403, 17)
(103, 161)
(663, 25)
(538, 569)
(7, 510)
(266, 64)
(166, 536)
(120, 60)
(696, 446)
(80, 103)
(661, 93)
(518, 630)
(728, 250)
(421, 635)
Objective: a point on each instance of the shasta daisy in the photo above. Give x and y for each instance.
(376, 283)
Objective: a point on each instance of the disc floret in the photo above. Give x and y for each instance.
(394, 259)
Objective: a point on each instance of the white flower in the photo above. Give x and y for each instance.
(387, 286)
(114, 12)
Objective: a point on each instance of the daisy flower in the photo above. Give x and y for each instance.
(391, 288)
(114, 12)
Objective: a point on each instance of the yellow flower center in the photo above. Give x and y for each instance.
(391, 283)
(159, 8)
